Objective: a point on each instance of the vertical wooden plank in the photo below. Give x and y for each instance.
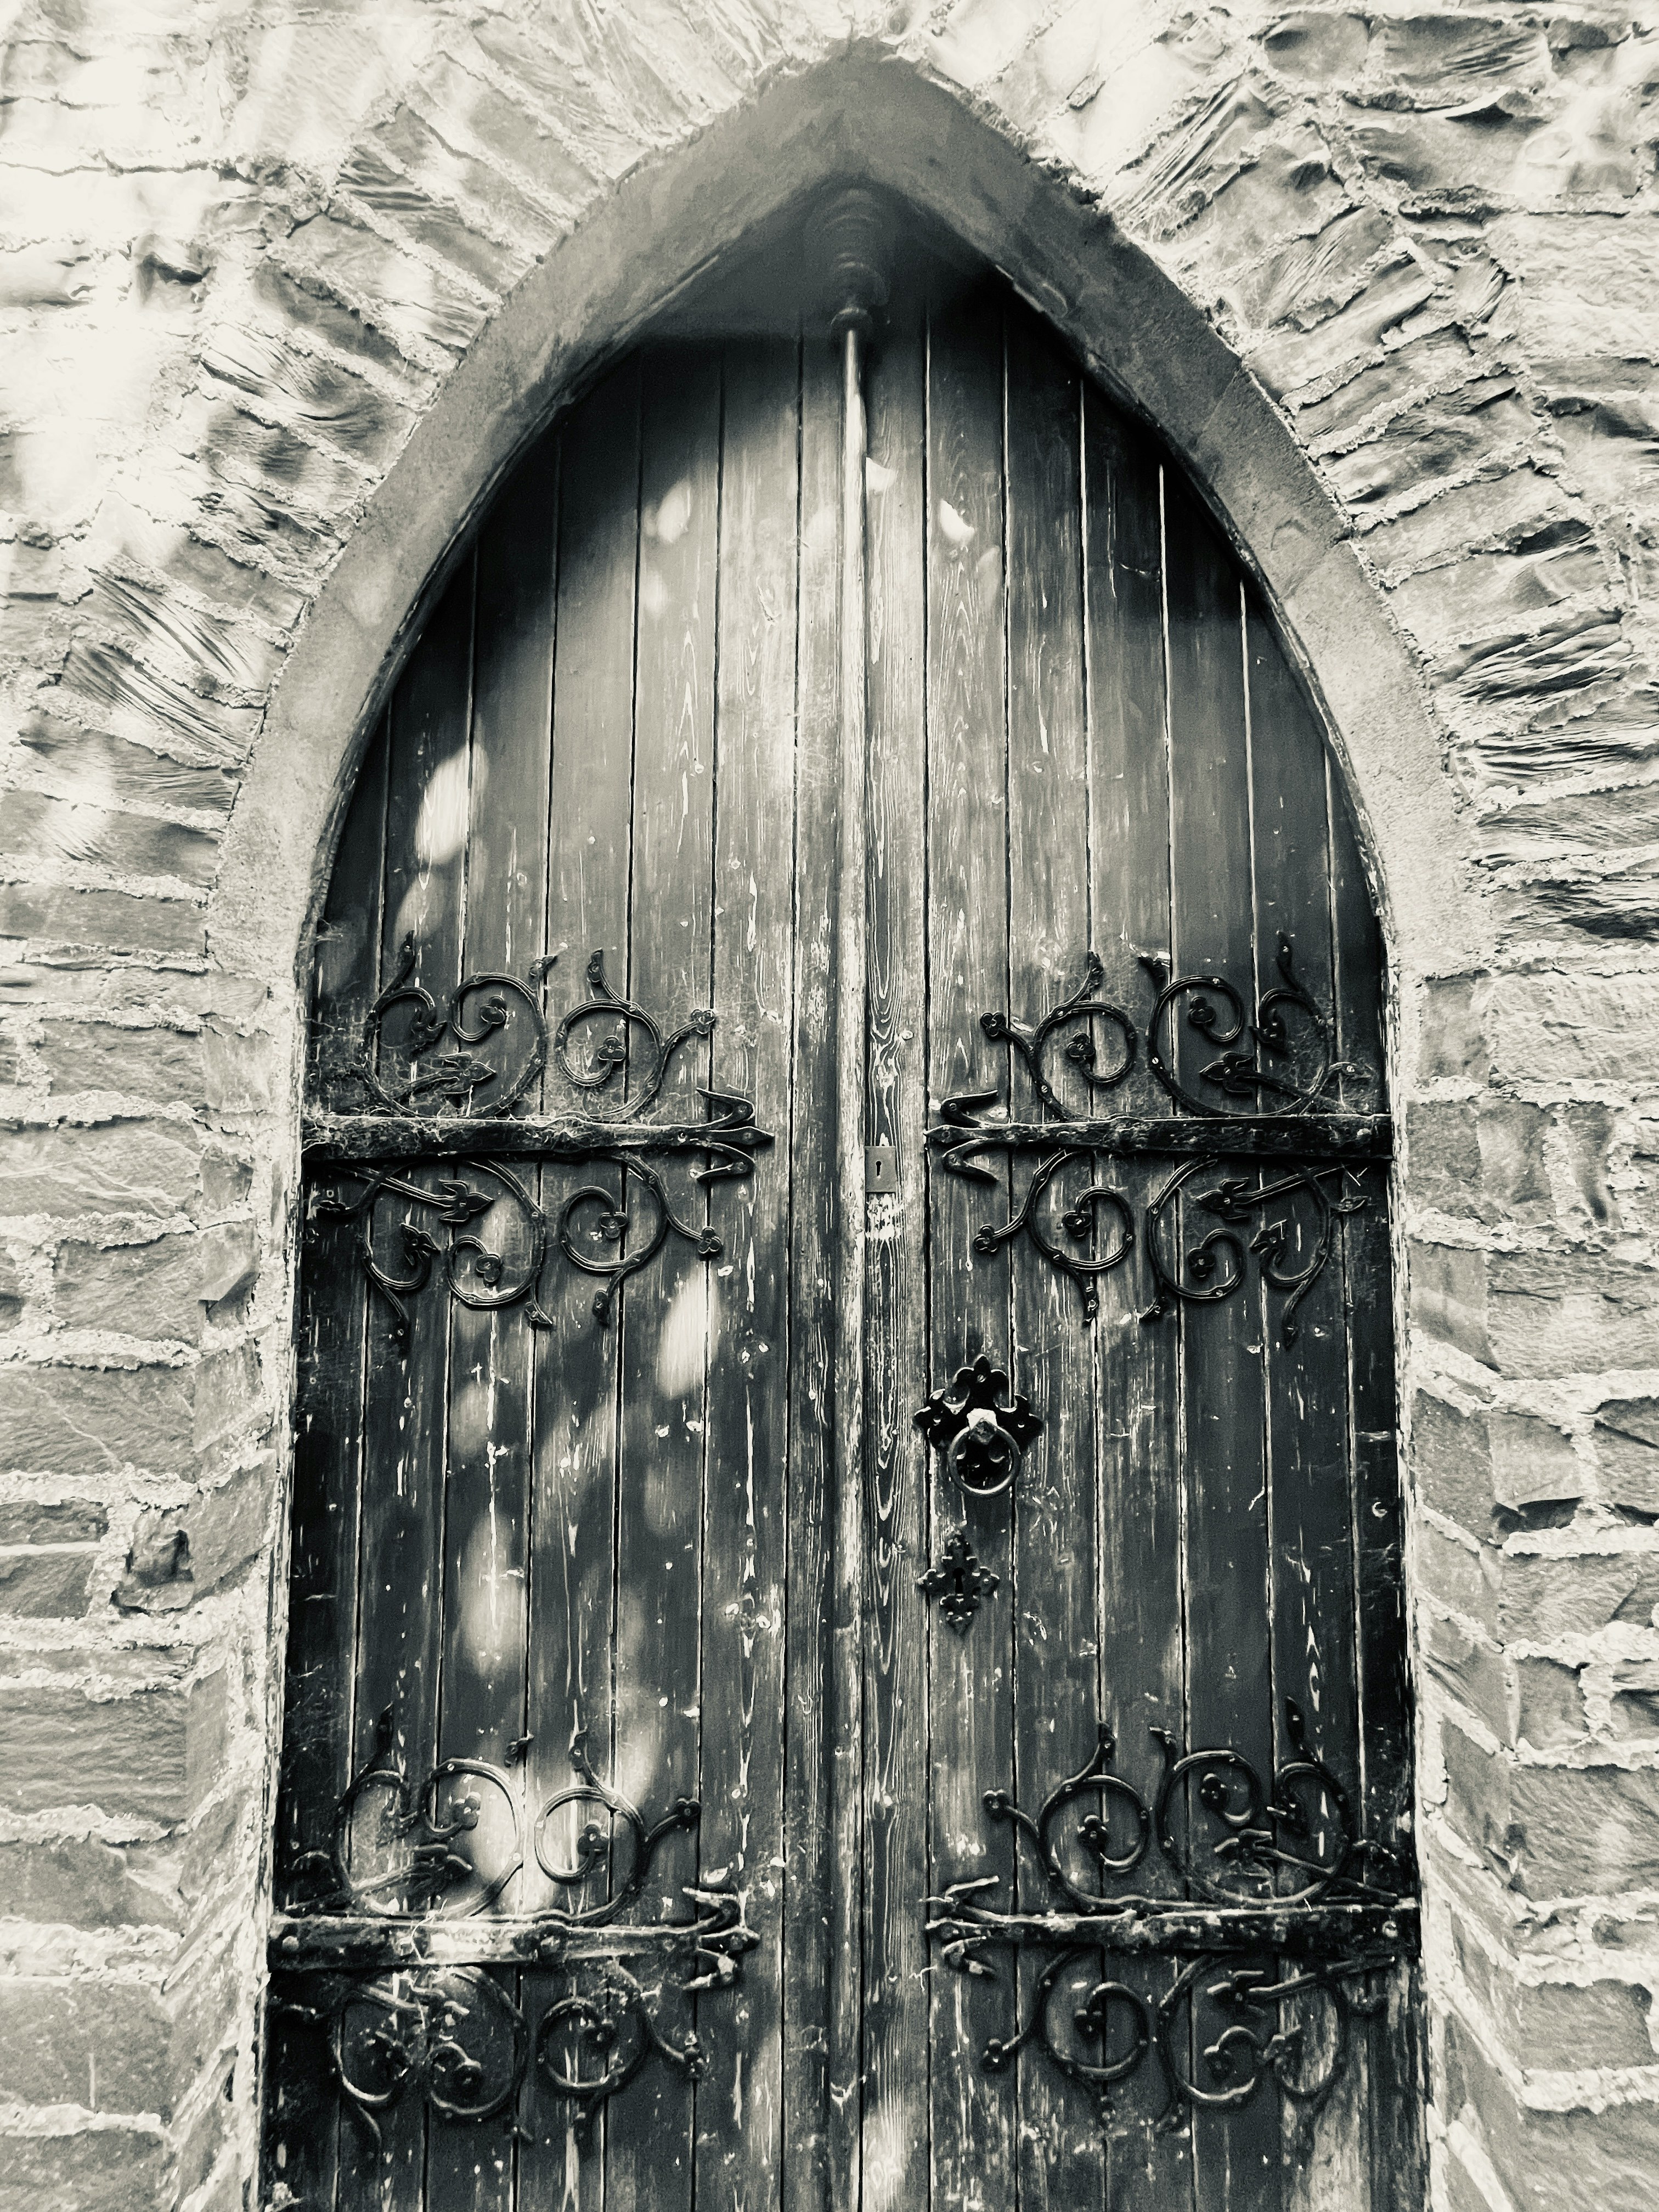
(1307, 1382)
(740, 2114)
(669, 1315)
(809, 1865)
(1060, 2161)
(400, 1592)
(301, 2137)
(895, 2044)
(1395, 2149)
(971, 1708)
(491, 1352)
(1138, 1366)
(572, 1506)
(1236, 2154)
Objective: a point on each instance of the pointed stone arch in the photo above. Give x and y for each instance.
(869, 114)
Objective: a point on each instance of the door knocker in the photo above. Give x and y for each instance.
(984, 1431)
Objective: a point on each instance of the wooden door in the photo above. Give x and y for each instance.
(1018, 1815)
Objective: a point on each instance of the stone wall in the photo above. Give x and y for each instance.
(250, 252)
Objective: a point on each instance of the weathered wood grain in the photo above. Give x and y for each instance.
(971, 1705)
(895, 1790)
(811, 1867)
(666, 1322)
(1230, 1692)
(301, 2138)
(1059, 2154)
(1141, 1592)
(406, 1386)
(488, 1471)
(844, 1704)
(1307, 1381)
(574, 1436)
(740, 2116)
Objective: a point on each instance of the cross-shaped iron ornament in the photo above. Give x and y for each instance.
(958, 1582)
(984, 1431)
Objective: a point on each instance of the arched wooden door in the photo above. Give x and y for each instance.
(735, 1756)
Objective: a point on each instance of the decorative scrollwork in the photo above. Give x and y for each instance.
(451, 2034)
(1080, 1053)
(596, 1845)
(1080, 1220)
(612, 2019)
(613, 1055)
(592, 1230)
(451, 1082)
(1286, 1868)
(1282, 1014)
(1213, 1267)
(983, 1432)
(437, 1860)
(958, 1582)
(1095, 1232)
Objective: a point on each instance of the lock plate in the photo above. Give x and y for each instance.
(881, 1169)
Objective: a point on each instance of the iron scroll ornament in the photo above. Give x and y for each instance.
(593, 1230)
(611, 1232)
(433, 1080)
(1300, 1199)
(405, 1861)
(1343, 1915)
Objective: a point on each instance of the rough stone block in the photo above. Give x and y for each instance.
(1486, 1162)
(1470, 1669)
(1635, 1700)
(166, 1288)
(1449, 1296)
(11, 1294)
(1463, 1579)
(45, 1582)
(1451, 1042)
(88, 1884)
(1550, 1312)
(151, 1064)
(70, 1421)
(1549, 1831)
(1599, 2023)
(1580, 1030)
(124, 1167)
(181, 1555)
(59, 1521)
(1550, 2159)
(1544, 1595)
(51, 918)
(109, 837)
(1548, 1711)
(1627, 1437)
(105, 2170)
(100, 2043)
(149, 1755)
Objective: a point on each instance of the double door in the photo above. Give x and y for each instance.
(808, 1687)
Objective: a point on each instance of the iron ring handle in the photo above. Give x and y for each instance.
(983, 1457)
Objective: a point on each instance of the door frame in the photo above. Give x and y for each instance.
(1149, 345)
